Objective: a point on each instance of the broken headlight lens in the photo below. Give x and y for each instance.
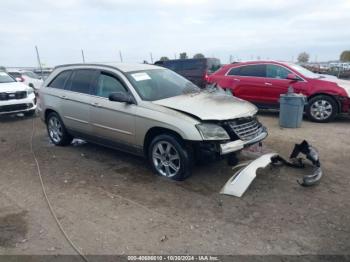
(212, 132)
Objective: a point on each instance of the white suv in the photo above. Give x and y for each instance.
(27, 77)
(15, 97)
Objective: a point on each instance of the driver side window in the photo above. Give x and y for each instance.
(107, 84)
(275, 71)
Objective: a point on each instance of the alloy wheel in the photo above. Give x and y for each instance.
(166, 159)
(55, 129)
(321, 109)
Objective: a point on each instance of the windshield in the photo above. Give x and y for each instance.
(305, 72)
(5, 78)
(32, 75)
(159, 84)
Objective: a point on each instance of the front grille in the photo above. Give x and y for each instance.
(9, 108)
(13, 95)
(246, 129)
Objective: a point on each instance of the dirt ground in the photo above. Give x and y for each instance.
(111, 203)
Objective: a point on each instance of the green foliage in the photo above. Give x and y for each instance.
(303, 57)
(183, 55)
(199, 55)
(345, 56)
(164, 58)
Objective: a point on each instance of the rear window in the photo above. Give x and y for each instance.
(249, 70)
(60, 80)
(81, 81)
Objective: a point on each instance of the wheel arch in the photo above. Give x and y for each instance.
(48, 112)
(155, 131)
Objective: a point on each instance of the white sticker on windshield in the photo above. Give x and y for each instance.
(141, 76)
(2, 74)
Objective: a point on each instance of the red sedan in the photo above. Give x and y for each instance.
(262, 83)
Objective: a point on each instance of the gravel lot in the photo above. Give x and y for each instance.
(111, 203)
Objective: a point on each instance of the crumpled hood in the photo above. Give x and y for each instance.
(209, 106)
(345, 84)
(13, 87)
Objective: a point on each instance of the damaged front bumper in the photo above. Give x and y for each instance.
(234, 146)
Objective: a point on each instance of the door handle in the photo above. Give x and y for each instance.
(63, 97)
(268, 84)
(236, 79)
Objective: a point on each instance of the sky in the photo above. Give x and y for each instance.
(244, 30)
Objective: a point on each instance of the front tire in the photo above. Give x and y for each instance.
(57, 131)
(322, 109)
(169, 157)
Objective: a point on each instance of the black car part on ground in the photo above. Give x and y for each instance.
(311, 154)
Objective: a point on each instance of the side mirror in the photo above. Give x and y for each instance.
(121, 97)
(293, 77)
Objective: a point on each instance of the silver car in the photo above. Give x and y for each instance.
(146, 110)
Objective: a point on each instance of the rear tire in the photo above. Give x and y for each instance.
(169, 157)
(321, 109)
(57, 131)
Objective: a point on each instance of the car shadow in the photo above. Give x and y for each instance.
(15, 117)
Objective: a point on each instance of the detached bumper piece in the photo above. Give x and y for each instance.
(241, 180)
(239, 183)
(311, 154)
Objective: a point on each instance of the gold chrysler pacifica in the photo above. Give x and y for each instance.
(146, 110)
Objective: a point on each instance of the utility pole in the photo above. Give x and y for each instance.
(120, 55)
(82, 54)
(151, 57)
(38, 58)
(175, 55)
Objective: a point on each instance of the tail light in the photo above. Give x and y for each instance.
(206, 77)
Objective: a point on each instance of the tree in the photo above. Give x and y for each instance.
(2, 68)
(303, 57)
(199, 55)
(345, 56)
(183, 55)
(164, 58)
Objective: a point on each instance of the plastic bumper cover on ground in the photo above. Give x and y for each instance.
(241, 180)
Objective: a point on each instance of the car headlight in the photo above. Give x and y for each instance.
(30, 91)
(212, 132)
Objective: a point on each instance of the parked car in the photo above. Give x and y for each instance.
(262, 83)
(43, 73)
(195, 70)
(146, 110)
(15, 97)
(27, 77)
